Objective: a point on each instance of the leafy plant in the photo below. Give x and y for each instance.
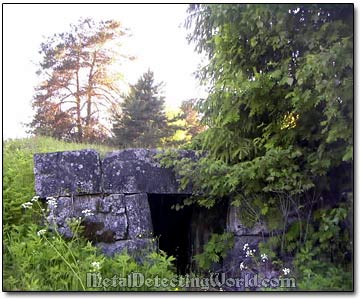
(323, 261)
(215, 250)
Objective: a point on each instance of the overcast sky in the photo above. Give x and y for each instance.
(158, 41)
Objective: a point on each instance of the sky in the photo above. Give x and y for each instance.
(158, 41)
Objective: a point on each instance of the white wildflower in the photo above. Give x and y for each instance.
(242, 266)
(52, 202)
(264, 257)
(27, 205)
(249, 253)
(286, 271)
(248, 250)
(41, 232)
(87, 212)
(95, 265)
(35, 198)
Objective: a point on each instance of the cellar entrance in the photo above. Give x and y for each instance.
(172, 228)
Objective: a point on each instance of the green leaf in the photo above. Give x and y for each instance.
(259, 24)
(264, 210)
(253, 42)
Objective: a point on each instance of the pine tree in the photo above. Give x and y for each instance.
(77, 81)
(142, 121)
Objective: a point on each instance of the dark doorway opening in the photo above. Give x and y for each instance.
(172, 228)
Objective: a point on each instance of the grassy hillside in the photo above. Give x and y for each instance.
(38, 259)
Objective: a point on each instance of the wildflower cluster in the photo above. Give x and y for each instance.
(52, 202)
(35, 198)
(254, 261)
(87, 212)
(264, 257)
(27, 205)
(249, 252)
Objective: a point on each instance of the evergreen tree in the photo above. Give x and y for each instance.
(142, 121)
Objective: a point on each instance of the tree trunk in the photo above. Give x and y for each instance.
(78, 109)
(89, 97)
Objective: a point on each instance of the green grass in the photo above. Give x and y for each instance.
(47, 144)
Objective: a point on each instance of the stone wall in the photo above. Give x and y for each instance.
(242, 235)
(109, 195)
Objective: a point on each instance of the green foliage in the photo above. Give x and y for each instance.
(280, 106)
(49, 263)
(215, 250)
(322, 259)
(142, 121)
(279, 117)
(270, 248)
(36, 258)
(328, 277)
(329, 243)
(326, 252)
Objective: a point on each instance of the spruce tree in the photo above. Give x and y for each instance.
(142, 121)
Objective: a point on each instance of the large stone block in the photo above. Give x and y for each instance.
(67, 173)
(238, 227)
(135, 247)
(137, 171)
(139, 216)
(114, 217)
(100, 225)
